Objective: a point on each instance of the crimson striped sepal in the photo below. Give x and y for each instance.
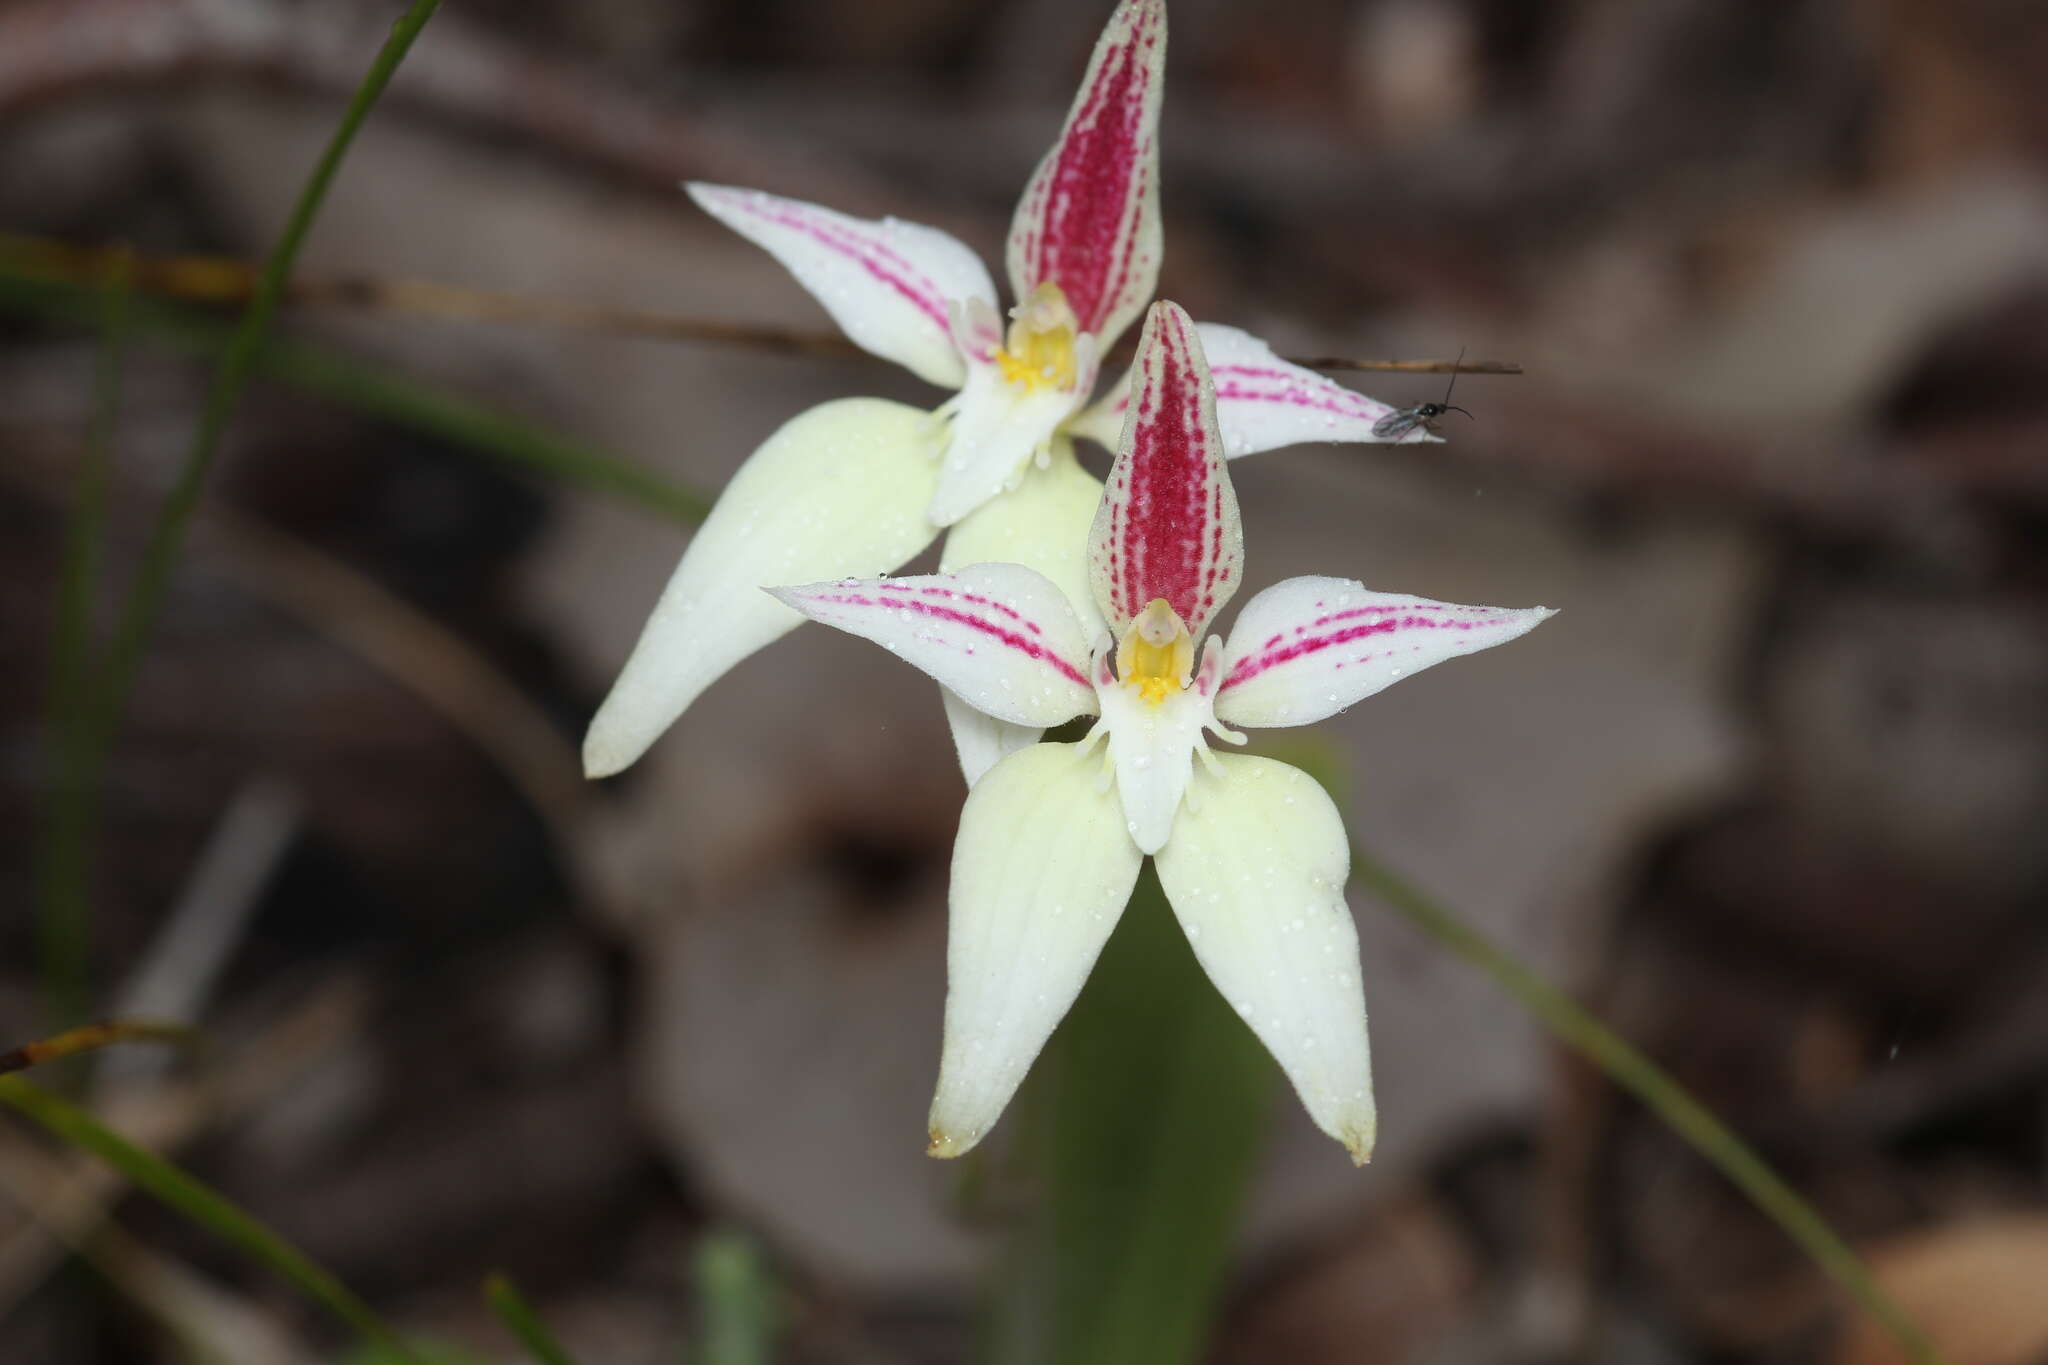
(1089, 218)
(1168, 525)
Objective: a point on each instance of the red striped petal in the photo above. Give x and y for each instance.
(1089, 218)
(1168, 524)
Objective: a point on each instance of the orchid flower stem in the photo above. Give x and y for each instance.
(205, 1206)
(332, 375)
(93, 1037)
(739, 1302)
(1657, 1090)
(65, 927)
(1145, 1129)
(523, 1322)
(238, 362)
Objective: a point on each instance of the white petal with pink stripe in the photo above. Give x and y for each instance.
(1306, 648)
(1089, 218)
(1262, 401)
(1043, 525)
(998, 635)
(891, 286)
(1168, 527)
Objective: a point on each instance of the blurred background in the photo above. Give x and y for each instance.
(1769, 793)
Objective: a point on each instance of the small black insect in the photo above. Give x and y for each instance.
(1401, 421)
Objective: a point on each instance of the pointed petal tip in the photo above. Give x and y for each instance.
(1358, 1140)
(605, 754)
(1168, 525)
(946, 1147)
(1089, 216)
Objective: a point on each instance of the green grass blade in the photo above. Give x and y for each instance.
(1628, 1068)
(739, 1301)
(519, 1318)
(1658, 1092)
(205, 1206)
(480, 428)
(1147, 1114)
(131, 635)
(329, 374)
(64, 879)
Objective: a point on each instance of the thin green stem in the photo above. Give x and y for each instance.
(737, 1296)
(518, 1316)
(131, 636)
(474, 425)
(1659, 1093)
(65, 928)
(329, 374)
(203, 1205)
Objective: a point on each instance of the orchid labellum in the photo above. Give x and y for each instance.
(1251, 852)
(859, 486)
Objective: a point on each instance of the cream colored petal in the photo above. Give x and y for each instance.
(839, 490)
(997, 430)
(1152, 747)
(1256, 870)
(1041, 871)
(980, 740)
(1042, 524)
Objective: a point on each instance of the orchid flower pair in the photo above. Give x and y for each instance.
(1250, 852)
(1059, 596)
(859, 486)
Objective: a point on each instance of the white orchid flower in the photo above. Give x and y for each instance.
(859, 486)
(1251, 852)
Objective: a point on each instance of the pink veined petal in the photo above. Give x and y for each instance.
(893, 287)
(999, 636)
(1042, 524)
(1263, 403)
(1089, 218)
(1306, 648)
(1168, 524)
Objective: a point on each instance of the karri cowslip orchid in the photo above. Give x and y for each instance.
(1251, 852)
(861, 485)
